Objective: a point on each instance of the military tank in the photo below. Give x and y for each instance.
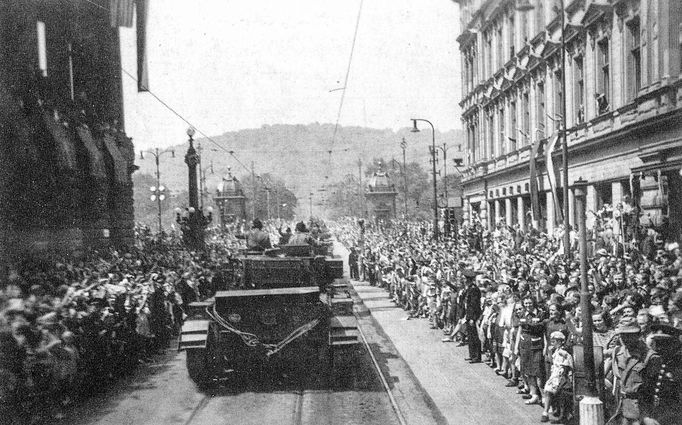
(285, 305)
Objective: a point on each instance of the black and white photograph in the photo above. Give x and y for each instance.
(340, 212)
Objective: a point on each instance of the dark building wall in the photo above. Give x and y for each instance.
(65, 182)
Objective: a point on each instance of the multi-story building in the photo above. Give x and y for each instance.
(623, 99)
(65, 180)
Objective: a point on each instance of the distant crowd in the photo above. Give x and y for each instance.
(514, 299)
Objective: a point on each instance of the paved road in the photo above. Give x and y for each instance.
(162, 393)
(463, 393)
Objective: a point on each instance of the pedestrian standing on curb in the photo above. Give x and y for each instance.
(473, 313)
(353, 264)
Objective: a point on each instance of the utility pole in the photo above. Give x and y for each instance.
(445, 173)
(201, 178)
(360, 202)
(311, 205)
(253, 201)
(267, 201)
(403, 145)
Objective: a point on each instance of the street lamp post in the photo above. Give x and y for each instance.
(433, 163)
(591, 408)
(158, 190)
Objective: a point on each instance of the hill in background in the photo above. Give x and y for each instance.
(299, 154)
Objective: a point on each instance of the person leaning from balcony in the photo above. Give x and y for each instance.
(256, 238)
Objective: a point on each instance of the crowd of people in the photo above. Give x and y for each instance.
(72, 325)
(514, 299)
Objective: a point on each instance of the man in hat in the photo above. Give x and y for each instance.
(256, 238)
(473, 311)
(635, 370)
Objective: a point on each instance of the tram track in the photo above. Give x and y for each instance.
(380, 373)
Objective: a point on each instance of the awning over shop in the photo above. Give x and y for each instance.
(97, 167)
(120, 164)
(658, 159)
(66, 150)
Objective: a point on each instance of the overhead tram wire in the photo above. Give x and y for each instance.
(345, 85)
(186, 121)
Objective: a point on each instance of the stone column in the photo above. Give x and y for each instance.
(590, 205)
(520, 213)
(549, 201)
(498, 216)
(616, 193)
(508, 211)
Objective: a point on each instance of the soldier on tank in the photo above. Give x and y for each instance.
(256, 238)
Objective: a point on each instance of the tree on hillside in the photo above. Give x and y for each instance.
(347, 197)
(282, 200)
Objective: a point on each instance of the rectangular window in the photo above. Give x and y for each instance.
(514, 128)
(512, 32)
(558, 99)
(42, 48)
(634, 60)
(541, 109)
(503, 137)
(491, 135)
(539, 16)
(500, 47)
(524, 27)
(604, 81)
(526, 117)
(579, 90)
(488, 56)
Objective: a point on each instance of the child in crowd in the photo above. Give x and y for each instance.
(560, 375)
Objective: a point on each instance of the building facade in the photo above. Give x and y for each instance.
(623, 88)
(380, 196)
(65, 183)
(230, 200)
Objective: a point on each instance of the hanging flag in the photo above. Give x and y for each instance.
(121, 13)
(142, 71)
(551, 175)
(534, 195)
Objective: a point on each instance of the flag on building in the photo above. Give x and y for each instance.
(534, 195)
(552, 176)
(121, 13)
(142, 68)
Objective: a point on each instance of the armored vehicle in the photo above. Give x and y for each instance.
(285, 305)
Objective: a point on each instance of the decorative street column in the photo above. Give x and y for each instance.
(192, 160)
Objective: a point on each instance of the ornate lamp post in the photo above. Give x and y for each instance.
(158, 191)
(192, 221)
(433, 162)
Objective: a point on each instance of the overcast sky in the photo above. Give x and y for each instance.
(227, 65)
